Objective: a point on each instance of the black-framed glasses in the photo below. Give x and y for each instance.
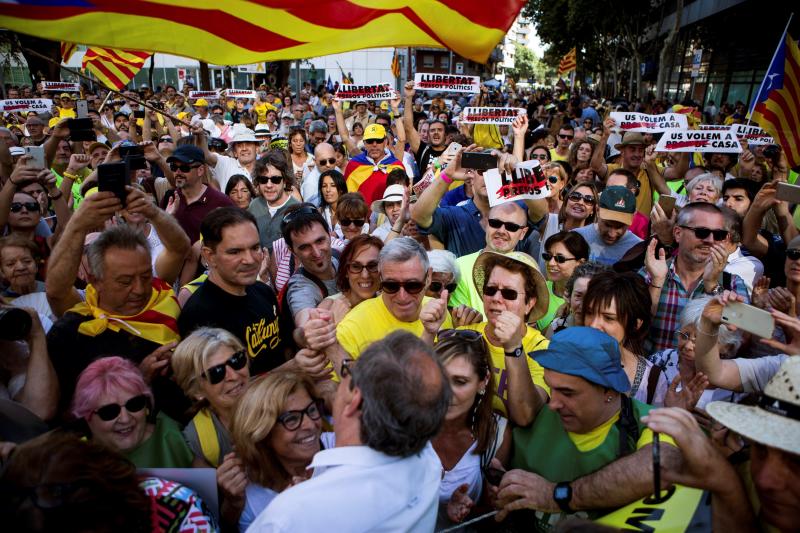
(703, 233)
(568, 137)
(437, 286)
(274, 179)
(793, 254)
(110, 412)
(685, 336)
(411, 286)
(329, 161)
(577, 197)
(507, 294)
(216, 373)
(292, 420)
(560, 258)
(357, 222)
(496, 223)
(183, 167)
(30, 207)
(357, 268)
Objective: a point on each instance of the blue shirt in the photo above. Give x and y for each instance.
(458, 228)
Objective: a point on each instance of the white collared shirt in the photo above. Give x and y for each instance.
(356, 488)
(747, 267)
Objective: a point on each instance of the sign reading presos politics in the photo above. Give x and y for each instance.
(676, 140)
(490, 115)
(382, 91)
(208, 95)
(449, 83)
(649, 123)
(61, 86)
(754, 135)
(240, 93)
(528, 182)
(26, 105)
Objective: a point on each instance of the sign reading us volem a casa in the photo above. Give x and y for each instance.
(451, 83)
(527, 182)
(26, 105)
(718, 141)
(490, 115)
(208, 95)
(649, 123)
(61, 86)
(382, 91)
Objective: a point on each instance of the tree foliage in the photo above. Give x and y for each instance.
(525, 63)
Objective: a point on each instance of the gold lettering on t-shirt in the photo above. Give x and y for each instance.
(259, 333)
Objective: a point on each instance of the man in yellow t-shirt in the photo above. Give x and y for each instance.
(565, 135)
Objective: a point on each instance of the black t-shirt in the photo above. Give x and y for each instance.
(71, 352)
(253, 318)
(424, 154)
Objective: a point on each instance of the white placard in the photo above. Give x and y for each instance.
(528, 182)
(724, 142)
(349, 92)
(208, 95)
(252, 68)
(754, 135)
(490, 115)
(61, 86)
(26, 105)
(240, 93)
(448, 83)
(715, 127)
(649, 123)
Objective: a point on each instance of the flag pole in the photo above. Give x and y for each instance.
(774, 55)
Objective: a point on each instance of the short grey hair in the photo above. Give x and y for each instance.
(403, 249)
(687, 212)
(403, 405)
(702, 178)
(693, 312)
(444, 261)
(124, 237)
(318, 125)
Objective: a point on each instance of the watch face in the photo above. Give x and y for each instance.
(561, 493)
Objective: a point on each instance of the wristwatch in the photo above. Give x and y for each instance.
(562, 494)
(516, 352)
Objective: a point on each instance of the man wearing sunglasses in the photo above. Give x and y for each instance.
(366, 173)
(272, 178)
(565, 135)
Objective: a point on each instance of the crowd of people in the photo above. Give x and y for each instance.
(319, 300)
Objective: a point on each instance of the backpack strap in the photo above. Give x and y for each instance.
(652, 382)
(318, 282)
(207, 435)
(627, 426)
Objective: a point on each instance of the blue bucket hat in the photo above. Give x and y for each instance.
(587, 353)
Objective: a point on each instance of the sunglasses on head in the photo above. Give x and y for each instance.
(496, 223)
(702, 233)
(357, 268)
(507, 294)
(411, 286)
(465, 334)
(357, 222)
(292, 420)
(30, 207)
(577, 197)
(110, 412)
(793, 254)
(437, 286)
(331, 161)
(560, 259)
(216, 373)
(274, 179)
(183, 167)
(569, 137)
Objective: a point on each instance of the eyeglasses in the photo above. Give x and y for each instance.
(357, 222)
(331, 161)
(292, 420)
(110, 412)
(173, 166)
(165, 139)
(569, 137)
(553, 179)
(346, 369)
(30, 207)
(437, 286)
(357, 268)
(702, 233)
(374, 141)
(577, 197)
(507, 294)
(216, 373)
(793, 254)
(542, 157)
(274, 179)
(685, 336)
(560, 259)
(496, 223)
(410, 286)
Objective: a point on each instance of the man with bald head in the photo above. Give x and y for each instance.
(325, 159)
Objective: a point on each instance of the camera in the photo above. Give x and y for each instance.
(15, 323)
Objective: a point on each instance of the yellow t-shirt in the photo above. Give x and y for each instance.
(370, 321)
(589, 441)
(261, 110)
(532, 341)
(644, 202)
(555, 157)
(63, 112)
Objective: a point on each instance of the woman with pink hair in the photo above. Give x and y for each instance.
(116, 404)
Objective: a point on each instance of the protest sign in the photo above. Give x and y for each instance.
(240, 93)
(649, 123)
(208, 95)
(351, 92)
(26, 105)
(716, 127)
(528, 182)
(754, 135)
(450, 83)
(724, 142)
(490, 115)
(61, 86)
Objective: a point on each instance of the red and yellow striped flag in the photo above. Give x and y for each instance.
(237, 32)
(568, 63)
(67, 49)
(396, 64)
(114, 68)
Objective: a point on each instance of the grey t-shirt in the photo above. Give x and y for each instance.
(223, 437)
(755, 373)
(303, 293)
(607, 254)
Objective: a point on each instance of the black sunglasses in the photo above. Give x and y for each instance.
(305, 210)
(411, 286)
(553, 179)
(565, 136)
(357, 222)
(274, 179)
(216, 373)
(507, 294)
(292, 420)
(466, 334)
(577, 197)
(331, 161)
(702, 233)
(173, 166)
(30, 207)
(374, 141)
(165, 139)
(110, 412)
(496, 223)
(560, 259)
(543, 157)
(357, 268)
(793, 254)
(437, 286)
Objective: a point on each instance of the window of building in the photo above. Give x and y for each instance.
(428, 61)
(444, 62)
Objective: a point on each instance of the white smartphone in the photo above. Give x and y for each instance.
(749, 318)
(37, 156)
(82, 109)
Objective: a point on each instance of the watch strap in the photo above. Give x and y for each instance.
(516, 352)
(562, 494)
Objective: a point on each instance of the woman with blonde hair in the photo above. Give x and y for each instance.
(277, 430)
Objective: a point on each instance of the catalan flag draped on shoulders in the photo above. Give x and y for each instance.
(367, 176)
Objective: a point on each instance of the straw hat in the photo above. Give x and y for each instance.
(630, 138)
(775, 421)
(542, 294)
(393, 193)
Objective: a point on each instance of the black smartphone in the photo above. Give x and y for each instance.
(478, 160)
(114, 177)
(128, 150)
(138, 113)
(80, 129)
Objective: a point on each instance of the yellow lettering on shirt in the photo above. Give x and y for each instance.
(261, 335)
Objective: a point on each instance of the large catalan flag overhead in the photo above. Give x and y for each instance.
(235, 32)
(115, 68)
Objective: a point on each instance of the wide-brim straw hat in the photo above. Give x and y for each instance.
(542, 294)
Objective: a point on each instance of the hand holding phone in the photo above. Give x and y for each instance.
(482, 161)
(114, 177)
(36, 154)
(749, 318)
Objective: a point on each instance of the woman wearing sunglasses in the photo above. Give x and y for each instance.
(351, 214)
(564, 252)
(116, 405)
(445, 273)
(579, 209)
(277, 429)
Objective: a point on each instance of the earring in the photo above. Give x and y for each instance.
(608, 400)
(481, 392)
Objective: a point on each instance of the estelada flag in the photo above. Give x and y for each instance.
(395, 64)
(237, 32)
(67, 49)
(568, 63)
(114, 68)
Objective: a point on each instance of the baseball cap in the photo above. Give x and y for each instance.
(96, 145)
(587, 353)
(617, 203)
(201, 102)
(187, 153)
(374, 131)
(64, 95)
